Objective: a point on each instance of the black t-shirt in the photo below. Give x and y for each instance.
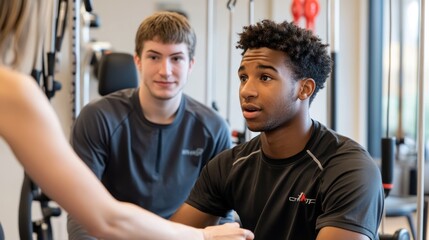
(332, 182)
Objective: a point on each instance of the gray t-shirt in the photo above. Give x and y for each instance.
(332, 182)
(153, 166)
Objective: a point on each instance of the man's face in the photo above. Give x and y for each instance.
(164, 68)
(268, 93)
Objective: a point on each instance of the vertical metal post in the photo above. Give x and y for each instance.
(209, 53)
(248, 133)
(333, 26)
(421, 124)
(231, 7)
(251, 11)
(76, 58)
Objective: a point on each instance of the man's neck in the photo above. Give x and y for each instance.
(287, 141)
(159, 111)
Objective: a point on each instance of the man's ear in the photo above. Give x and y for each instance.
(137, 61)
(191, 64)
(307, 88)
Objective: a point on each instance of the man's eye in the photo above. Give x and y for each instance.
(242, 78)
(177, 59)
(265, 78)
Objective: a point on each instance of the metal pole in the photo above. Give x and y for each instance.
(230, 6)
(76, 58)
(209, 52)
(421, 126)
(248, 133)
(251, 12)
(333, 26)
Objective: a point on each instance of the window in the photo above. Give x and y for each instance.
(403, 104)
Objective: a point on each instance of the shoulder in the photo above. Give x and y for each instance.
(336, 142)
(240, 156)
(334, 149)
(13, 83)
(199, 109)
(18, 90)
(115, 105)
(21, 99)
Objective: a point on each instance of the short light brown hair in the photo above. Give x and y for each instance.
(166, 27)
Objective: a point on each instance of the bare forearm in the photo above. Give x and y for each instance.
(132, 222)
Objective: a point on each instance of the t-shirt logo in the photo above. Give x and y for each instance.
(302, 199)
(195, 152)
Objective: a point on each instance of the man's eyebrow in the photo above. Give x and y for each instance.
(152, 51)
(173, 54)
(260, 66)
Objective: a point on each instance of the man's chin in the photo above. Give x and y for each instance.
(254, 128)
(166, 96)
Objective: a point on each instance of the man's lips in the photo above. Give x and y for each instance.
(250, 110)
(164, 83)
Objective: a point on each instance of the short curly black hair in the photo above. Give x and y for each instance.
(307, 55)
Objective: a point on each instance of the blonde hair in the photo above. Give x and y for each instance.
(14, 26)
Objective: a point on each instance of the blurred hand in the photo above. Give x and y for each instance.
(227, 231)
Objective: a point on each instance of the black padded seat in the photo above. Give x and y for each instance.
(1, 233)
(116, 71)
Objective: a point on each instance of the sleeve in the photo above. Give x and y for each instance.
(208, 194)
(354, 197)
(89, 138)
(76, 231)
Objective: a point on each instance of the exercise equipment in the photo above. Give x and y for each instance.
(1, 233)
(395, 206)
(387, 163)
(402, 207)
(30, 192)
(75, 54)
(333, 29)
(209, 54)
(307, 9)
(297, 9)
(421, 124)
(43, 70)
(231, 6)
(311, 9)
(238, 137)
(44, 74)
(401, 234)
(91, 52)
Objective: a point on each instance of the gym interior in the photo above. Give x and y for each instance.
(375, 93)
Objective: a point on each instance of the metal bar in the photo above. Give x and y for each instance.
(209, 53)
(421, 124)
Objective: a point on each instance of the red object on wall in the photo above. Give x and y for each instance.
(311, 9)
(305, 8)
(297, 10)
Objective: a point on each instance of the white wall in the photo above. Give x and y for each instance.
(119, 21)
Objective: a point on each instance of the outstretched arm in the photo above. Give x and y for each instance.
(31, 128)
